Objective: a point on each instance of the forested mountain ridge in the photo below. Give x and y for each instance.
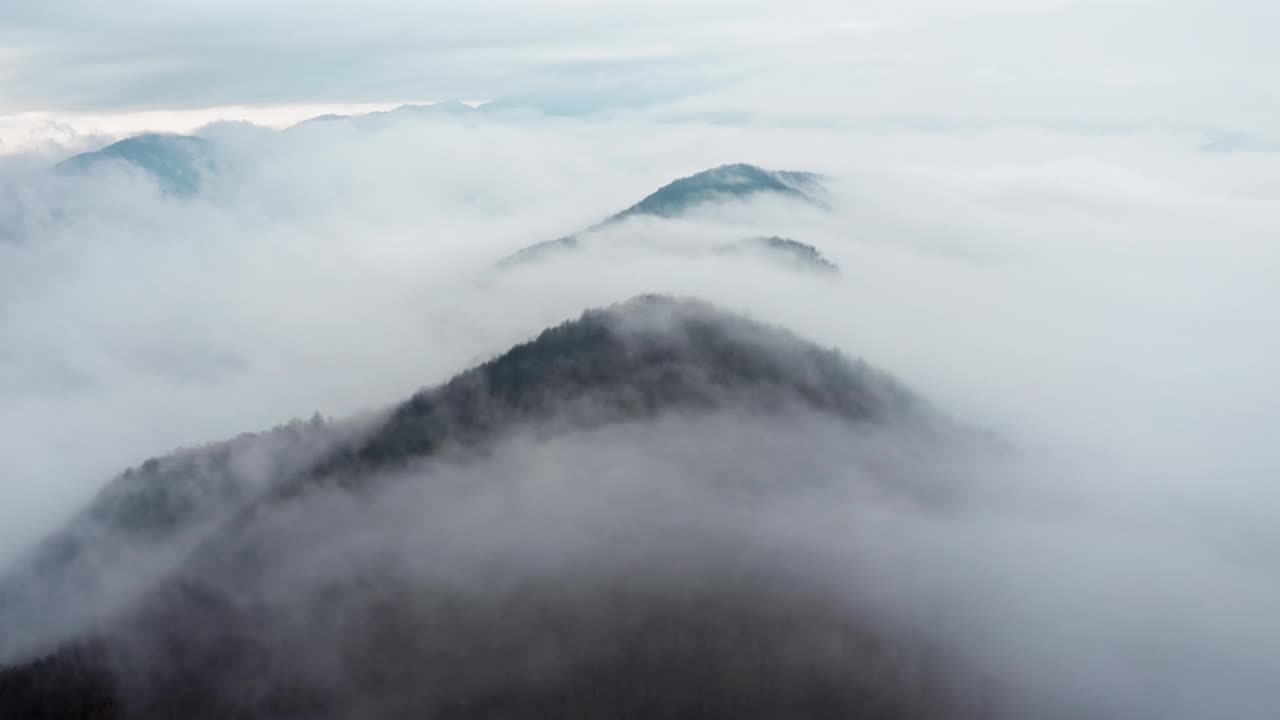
(284, 609)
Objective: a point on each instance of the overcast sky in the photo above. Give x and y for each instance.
(1075, 64)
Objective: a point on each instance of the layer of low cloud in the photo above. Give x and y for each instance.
(992, 607)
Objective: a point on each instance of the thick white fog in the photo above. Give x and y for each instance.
(1103, 302)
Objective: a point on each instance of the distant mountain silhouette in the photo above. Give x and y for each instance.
(216, 638)
(538, 252)
(1239, 143)
(382, 118)
(728, 182)
(447, 107)
(738, 181)
(178, 163)
(800, 255)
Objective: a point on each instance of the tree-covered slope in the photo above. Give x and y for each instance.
(419, 566)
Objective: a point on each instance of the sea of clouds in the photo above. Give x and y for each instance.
(1102, 301)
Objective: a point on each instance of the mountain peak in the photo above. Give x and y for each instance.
(233, 603)
(735, 181)
(177, 162)
(632, 360)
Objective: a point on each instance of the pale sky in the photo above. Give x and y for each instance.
(1090, 65)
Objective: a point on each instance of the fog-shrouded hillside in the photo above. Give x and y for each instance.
(182, 165)
(531, 537)
(179, 164)
(794, 253)
(140, 526)
(736, 182)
